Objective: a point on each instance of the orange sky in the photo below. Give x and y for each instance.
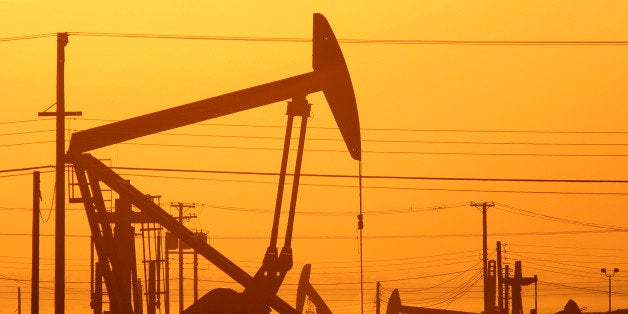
(408, 88)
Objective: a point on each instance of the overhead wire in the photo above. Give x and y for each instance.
(330, 139)
(389, 187)
(579, 132)
(392, 152)
(566, 247)
(341, 40)
(557, 219)
(25, 37)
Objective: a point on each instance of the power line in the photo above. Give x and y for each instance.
(398, 129)
(257, 137)
(322, 175)
(376, 237)
(558, 219)
(352, 40)
(372, 177)
(579, 288)
(26, 168)
(377, 151)
(344, 151)
(401, 188)
(25, 143)
(25, 121)
(566, 247)
(571, 254)
(553, 262)
(377, 176)
(26, 132)
(306, 212)
(24, 37)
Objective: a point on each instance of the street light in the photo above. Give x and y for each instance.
(610, 275)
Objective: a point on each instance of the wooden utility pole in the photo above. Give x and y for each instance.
(62, 40)
(377, 300)
(536, 300)
(60, 114)
(195, 276)
(507, 289)
(167, 281)
(181, 207)
(488, 308)
(500, 279)
(35, 245)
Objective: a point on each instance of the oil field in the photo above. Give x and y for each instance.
(412, 156)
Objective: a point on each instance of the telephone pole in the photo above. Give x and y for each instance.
(181, 207)
(60, 114)
(377, 300)
(35, 245)
(500, 279)
(507, 289)
(488, 308)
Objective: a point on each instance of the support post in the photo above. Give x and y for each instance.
(500, 278)
(19, 300)
(507, 290)
(60, 114)
(92, 270)
(123, 239)
(180, 206)
(158, 265)
(35, 245)
(97, 300)
(167, 281)
(195, 276)
(377, 300)
(152, 295)
(180, 263)
(488, 308)
(536, 294)
(62, 41)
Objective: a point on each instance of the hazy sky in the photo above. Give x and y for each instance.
(431, 111)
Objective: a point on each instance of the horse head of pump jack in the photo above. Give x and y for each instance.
(330, 76)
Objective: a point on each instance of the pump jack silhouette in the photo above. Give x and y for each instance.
(330, 76)
(395, 307)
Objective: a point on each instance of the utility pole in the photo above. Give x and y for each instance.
(19, 300)
(506, 293)
(181, 207)
(488, 308)
(377, 300)
(500, 279)
(167, 281)
(60, 114)
(35, 245)
(195, 276)
(536, 294)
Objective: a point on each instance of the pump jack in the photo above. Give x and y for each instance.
(305, 289)
(395, 307)
(330, 76)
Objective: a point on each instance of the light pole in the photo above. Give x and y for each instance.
(610, 275)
